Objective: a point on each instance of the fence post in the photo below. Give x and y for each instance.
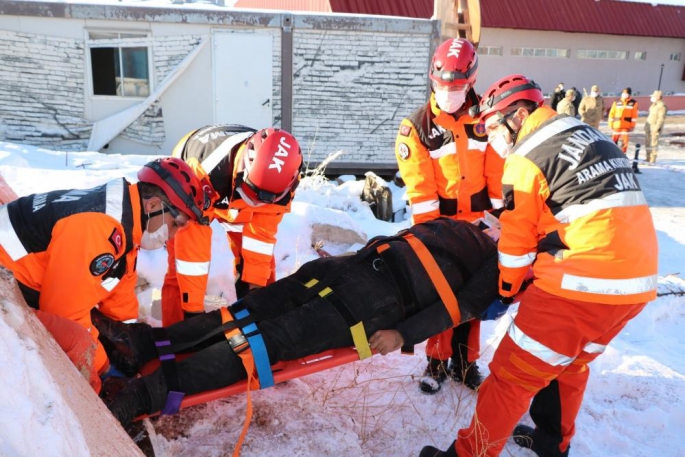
(637, 154)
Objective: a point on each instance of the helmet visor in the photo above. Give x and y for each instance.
(251, 193)
(181, 219)
(451, 87)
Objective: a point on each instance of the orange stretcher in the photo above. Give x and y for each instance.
(282, 371)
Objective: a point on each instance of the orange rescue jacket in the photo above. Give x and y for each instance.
(71, 250)
(214, 151)
(447, 165)
(574, 210)
(623, 115)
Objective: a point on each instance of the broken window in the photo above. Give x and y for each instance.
(119, 64)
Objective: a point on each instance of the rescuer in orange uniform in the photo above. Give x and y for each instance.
(253, 176)
(622, 118)
(70, 250)
(450, 171)
(572, 206)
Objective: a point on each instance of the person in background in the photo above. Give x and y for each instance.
(565, 106)
(251, 177)
(591, 275)
(622, 118)
(591, 108)
(576, 99)
(449, 170)
(73, 250)
(654, 125)
(557, 96)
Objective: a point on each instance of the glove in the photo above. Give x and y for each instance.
(496, 309)
(112, 372)
(188, 315)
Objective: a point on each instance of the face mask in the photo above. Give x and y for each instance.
(625, 96)
(156, 239)
(500, 145)
(652, 99)
(594, 94)
(450, 102)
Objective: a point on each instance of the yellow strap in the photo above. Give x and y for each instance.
(435, 273)
(361, 343)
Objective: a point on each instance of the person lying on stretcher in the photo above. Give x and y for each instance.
(397, 290)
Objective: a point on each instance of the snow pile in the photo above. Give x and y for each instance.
(48, 408)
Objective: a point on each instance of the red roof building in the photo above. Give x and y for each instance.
(557, 40)
(606, 17)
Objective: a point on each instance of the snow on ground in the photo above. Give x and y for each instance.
(634, 405)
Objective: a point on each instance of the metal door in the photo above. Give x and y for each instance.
(243, 78)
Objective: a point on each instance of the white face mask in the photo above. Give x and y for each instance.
(156, 239)
(652, 99)
(625, 96)
(450, 102)
(500, 145)
(594, 94)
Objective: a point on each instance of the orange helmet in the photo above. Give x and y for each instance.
(183, 188)
(455, 63)
(271, 166)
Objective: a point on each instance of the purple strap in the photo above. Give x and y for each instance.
(173, 402)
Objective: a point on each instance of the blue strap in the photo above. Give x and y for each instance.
(261, 357)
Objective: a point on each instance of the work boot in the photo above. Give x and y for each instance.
(540, 443)
(128, 346)
(128, 398)
(433, 376)
(432, 451)
(466, 373)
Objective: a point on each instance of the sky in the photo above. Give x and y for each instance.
(634, 404)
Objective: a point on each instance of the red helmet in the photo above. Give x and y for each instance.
(183, 188)
(271, 166)
(454, 63)
(506, 92)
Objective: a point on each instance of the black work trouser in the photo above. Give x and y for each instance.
(291, 330)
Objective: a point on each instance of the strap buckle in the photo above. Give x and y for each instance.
(238, 343)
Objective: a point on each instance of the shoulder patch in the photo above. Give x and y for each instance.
(101, 264)
(403, 151)
(479, 129)
(405, 130)
(116, 239)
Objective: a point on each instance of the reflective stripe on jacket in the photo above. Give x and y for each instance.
(76, 249)
(575, 211)
(215, 151)
(623, 115)
(447, 164)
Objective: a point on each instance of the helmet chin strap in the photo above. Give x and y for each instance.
(148, 216)
(514, 134)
